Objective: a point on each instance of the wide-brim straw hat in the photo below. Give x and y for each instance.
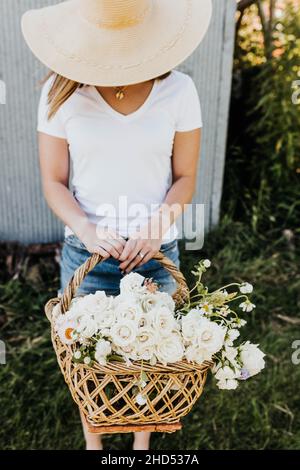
(116, 42)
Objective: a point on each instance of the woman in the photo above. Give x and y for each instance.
(131, 127)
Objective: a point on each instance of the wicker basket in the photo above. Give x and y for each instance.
(171, 391)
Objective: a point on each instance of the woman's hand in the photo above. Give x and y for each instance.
(137, 251)
(106, 242)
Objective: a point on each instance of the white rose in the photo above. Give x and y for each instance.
(246, 288)
(124, 332)
(105, 319)
(87, 326)
(194, 353)
(210, 335)
(190, 324)
(127, 310)
(146, 337)
(252, 358)
(132, 283)
(145, 352)
(169, 349)
(163, 321)
(102, 350)
(147, 301)
(163, 299)
(145, 321)
(127, 352)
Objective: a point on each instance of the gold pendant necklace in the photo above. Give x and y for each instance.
(119, 92)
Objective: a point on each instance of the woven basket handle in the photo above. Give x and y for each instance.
(180, 296)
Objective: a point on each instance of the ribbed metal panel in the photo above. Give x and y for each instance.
(24, 214)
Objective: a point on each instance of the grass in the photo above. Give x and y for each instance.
(37, 411)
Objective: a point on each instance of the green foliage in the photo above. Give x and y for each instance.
(263, 159)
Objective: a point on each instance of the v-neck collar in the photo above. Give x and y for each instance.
(125, 117)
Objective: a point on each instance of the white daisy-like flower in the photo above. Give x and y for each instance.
(246, 288)
(205, 308)
(77, 354)
(247, 306)
(65, 329)
(207, 263)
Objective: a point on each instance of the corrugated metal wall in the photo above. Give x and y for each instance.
(24, 215)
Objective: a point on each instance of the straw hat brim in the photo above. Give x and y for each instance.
(73, 47)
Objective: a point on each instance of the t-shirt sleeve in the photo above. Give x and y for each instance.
(53, 126)
(189, 114)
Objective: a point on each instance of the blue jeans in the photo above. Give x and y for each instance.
(107, 275)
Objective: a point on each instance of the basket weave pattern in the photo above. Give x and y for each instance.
(105, 395)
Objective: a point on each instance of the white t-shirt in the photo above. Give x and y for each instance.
(122, 165)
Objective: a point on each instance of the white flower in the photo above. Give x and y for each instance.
(226, 378)
(210, 335)
(77, 354)
(194, 353)
(87, 326)
(102, 350)
(148, 301)
(65, 328)
(127, 310)
(169, 349)
(230, 384)
(231, 336)
(145, 352)
(146, 337)
(252, 358)
(190, 324)
(163, 321)
(163, 299)
(145, 321)
(132, 283)
(87, 360)
(207, 263)
(123, 332)
(230, 354)
(205, 308)
(105, 319)
(246, 288)
(247, 306)
(141, 399)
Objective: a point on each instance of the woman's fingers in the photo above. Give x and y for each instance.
(117, 244)
(109, 247)
(127, 251)
(145, 259)
(132, 258)
(101, 252)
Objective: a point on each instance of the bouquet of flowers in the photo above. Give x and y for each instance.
(143, 324)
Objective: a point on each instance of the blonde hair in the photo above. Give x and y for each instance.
(62, 88)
